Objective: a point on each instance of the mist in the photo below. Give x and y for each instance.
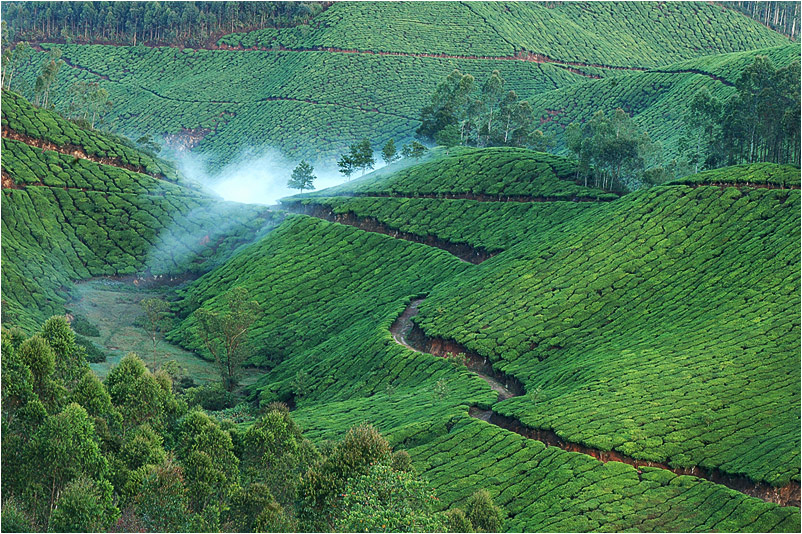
(256, 178)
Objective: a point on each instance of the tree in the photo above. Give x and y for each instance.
(386, 500)
(44, 82)
(225, 335)
(413, 150)
(483, 514)
(491, 99)
(157, 322)
(302, 177)
(85, 505)
(362, 155)
(389, 153)
(65, 448)
(447, 105)
(346, 165)
(448, 136)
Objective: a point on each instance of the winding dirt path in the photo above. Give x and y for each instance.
(462, 251)
(405, 332)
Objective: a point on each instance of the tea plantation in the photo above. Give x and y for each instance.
(631, 360)
(66, 218)
(691, 293)
(619, 34)
(306, 83)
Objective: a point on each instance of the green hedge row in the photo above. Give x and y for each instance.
(755, 174)
(31, 165)
(623, 34)
(664, 325)
(19, 115)
(492, 226)
(498, 172)
(545, 489)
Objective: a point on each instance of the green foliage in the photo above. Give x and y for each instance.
(386, 500)
(226, 335)
(85, 506)
(254, 509)
(206, 454)
(389, 152)
(212, 397)
(483, 514)
(81, 325)
(14, 519)
(19, 115)
(162, 498)
(302, 177)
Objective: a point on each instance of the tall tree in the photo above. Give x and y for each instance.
(302, 177)
(389, 152)
(157, 322)
(225, 334)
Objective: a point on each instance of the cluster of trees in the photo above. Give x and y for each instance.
(130, 453)
(760, 122)
(780, 16)
(88, 102)
(462, 113)
(360, 155)
(152, 23)
(612, 151)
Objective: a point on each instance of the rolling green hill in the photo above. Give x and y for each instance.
(67, 216)
(595, 360)
(637, 326)
(365, 70)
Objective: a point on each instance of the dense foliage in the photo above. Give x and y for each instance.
(174, 23)
(129, 453)
(702, 276)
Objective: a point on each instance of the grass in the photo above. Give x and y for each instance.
(114, 307)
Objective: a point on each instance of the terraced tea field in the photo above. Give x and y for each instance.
(66, 217)
(331, 85)
(619, 398)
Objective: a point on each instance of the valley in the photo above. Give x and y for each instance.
(554, 289)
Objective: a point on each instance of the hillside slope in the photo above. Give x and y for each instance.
(73, 209)
(365, 70)
(665, 316)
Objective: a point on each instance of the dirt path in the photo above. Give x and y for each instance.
(464, 252)
(75, 151)
(405, 332)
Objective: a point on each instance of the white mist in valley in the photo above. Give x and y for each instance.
(256, 178)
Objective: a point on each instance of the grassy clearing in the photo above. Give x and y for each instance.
(114, 307)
